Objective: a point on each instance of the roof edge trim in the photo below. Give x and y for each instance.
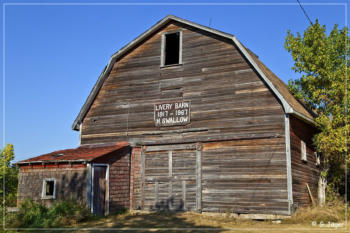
(54, 161)
(303, 118)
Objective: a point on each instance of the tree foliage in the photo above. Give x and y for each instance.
(322, 61)
(9, 174)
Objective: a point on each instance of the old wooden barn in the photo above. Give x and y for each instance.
(184, 117)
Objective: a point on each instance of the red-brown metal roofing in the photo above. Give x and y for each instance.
(84, 153)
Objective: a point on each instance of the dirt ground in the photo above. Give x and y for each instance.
(194, 222)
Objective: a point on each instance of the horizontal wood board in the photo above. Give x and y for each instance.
(303, 171)
(245, 176)
(228, 99)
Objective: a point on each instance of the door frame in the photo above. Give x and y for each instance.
(92, 185)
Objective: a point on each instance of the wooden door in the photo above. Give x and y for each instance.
(171, 177)
(99, 190)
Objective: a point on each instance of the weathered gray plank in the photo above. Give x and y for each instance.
(199, 178)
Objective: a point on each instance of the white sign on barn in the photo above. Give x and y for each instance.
(170, 114)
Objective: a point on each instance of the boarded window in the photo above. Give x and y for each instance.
(49, 189)
(303, 151)
(172, 48)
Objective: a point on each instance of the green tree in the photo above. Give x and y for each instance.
(9, 174)
(322, 61)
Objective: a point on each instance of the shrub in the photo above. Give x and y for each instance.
(35, 215)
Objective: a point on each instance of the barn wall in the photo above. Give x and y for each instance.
(119, 179)
(303, 172)
(135, 179)
(241, 176)
(70, 183)
(245, 176)
(228, 99)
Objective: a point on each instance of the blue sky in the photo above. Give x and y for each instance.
(55, 53)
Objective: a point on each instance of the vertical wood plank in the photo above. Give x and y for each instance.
(106, 198)
(170, 194)
(289, 163)
(310, 194)
(143, 164)
(89, 186)
(199, 177)
(170, 168)
(180, 47)
(156, 191)
(162, 55)
(80, 132)
(184, 194)
(170, 156)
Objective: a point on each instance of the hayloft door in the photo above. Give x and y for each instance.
(99, 189)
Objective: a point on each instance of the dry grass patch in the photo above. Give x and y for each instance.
(195, 222)
(332, 212)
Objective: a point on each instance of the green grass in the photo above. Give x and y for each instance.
(72, 215)
(60, 214)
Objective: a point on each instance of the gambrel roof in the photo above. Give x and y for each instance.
(277, 86)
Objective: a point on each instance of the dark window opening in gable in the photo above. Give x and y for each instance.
(172, 48)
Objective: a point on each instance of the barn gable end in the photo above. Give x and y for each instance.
(290, 104)
(225, 93)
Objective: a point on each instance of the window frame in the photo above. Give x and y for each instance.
(303, 151)
(318, 159)
(162, 56)
(43, 191)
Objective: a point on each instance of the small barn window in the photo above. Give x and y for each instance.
(318, 159)
(171, 48)
(303, 151)
(49, 189)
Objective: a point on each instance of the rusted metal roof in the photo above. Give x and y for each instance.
(80, 154)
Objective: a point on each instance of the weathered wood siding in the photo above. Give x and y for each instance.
(228, 99)
(229, 102)
(245, 176)
(170, 178)
(119, 178)
(242, 176)
(135, 179)
(71, 182)
(303, 171)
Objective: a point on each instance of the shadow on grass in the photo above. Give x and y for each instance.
(145, 222)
